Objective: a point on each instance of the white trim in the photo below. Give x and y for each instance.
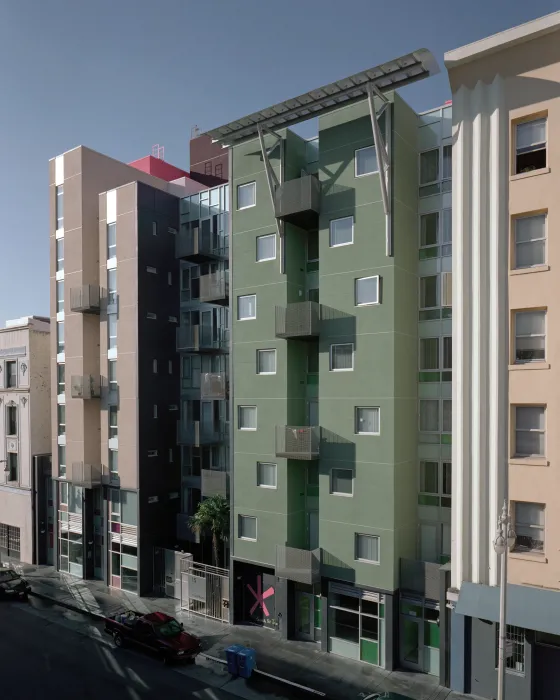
(266, 486)
(59, 170)
(112, 354)
(259, 350)
(59, 233)
(339, 493)
(246, 184)
(59, 276)
(111, 206)
(356, 151)
(60, 357)
(331, 222)
(239, 415)
(246, 318)
(265, 235)
(366, 303)
(239, 536)
(112, 263)
(333, 369)
(377, 561)
(356, 409)
(60, 316)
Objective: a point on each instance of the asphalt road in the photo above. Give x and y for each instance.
(50, 652)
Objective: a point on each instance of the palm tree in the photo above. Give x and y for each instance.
(212, 515)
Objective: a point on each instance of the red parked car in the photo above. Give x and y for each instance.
(156, 632)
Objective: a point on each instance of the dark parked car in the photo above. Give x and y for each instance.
(156, 632)
(12, 585)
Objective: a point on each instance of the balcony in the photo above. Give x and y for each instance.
(213, 483)
(301, 565)
(214, 288)
(202, 339)
(85, 387)
(420, 577)
(198, 434)
(82, 474)
(213, 386)
(298, 202)
(184, 531)
(298, 442)
(301, 320)
(199, 244)
(85, 299)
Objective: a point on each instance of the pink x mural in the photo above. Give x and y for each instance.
(260, 596)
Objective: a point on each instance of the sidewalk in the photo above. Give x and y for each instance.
(302, 663)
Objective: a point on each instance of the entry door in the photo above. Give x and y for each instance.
(411, 643)
(305, 616)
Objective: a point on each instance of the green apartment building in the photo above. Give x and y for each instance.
(324, 264)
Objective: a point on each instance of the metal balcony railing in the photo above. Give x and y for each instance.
(298, 201)
(298, 441)
(301, 565)
(420, 577)
(85, 299)
(198, 433)
(213, 483)
(202, 339)
(213, 386)
(85, 387)
(82, 474)
(214, 288)
(301, 319)
(198, 244)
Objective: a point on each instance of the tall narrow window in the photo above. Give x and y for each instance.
(11, 420)
(447, 352)
(113, 462)
(111, 241)
(62, 460)
(429, 415)
(447, 164)
(529, 527)
(111, 286)
(530, 336)
(60, 206)
(60, 254)
(112, 375)
(530, 426)
(530, 145)
(530, 241)
(60, 336)
(446, 289)
(429, 167)
(61, 419)
(429, 229)
(446, 416)
(11, 374)
(429, 353)
(429, 292)
(13, 466)
(113, 422)
(112, 331)
(59, 296)
(446, 232)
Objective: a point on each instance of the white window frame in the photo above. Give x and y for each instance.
(259, 351)
(333, 221)
(365, 148)
(516, 336)
(239, 528)
(518, 455)
(366, 303)
(516, 219)
(522, 122)
(537, 552)
(267, 486)
(246, 318)
(250, 430)
(343, 369)
(331, 481)
(356, 420)
(357, 535)
(253, 183)
(266, 235)
(59, 260)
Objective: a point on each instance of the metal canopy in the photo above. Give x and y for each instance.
(388, 76)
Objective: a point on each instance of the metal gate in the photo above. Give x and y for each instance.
(205, 590)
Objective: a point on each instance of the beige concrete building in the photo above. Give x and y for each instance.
(506, 363)
(25, 486)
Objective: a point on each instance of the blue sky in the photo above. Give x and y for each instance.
(121, 75)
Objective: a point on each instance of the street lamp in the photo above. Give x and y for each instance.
(503, 543)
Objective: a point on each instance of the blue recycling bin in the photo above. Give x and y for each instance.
(246, 661)
(232, 658)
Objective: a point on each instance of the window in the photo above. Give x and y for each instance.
(60, 337)
(366, 161)
(170, 366)
(429, 167)
(429, 353)
(530, 145)
(435, 484)
(446, 288)
(113, 422)
(11, 420)
(447, 163)
(208, 168)
(313, 295)
(447, 232)
(246, 195)
(266, 475)
(312, 150)
(151, 270)
(11, 374)
(341, 231)
(112, 374)
(154, 228)
(447, 405)
(529, 527)
(342, 357)
(247, 527)
(12, 466)
(367, 421)
(266, 247)
(266, 361)
(247, 307)
(62, 460)
(59, 296)
(429, 415)
(530, 241)
(150, 315)
(155, 410)
(111, 286)
(447, 476)
(113, 462)
(367, 290)
(429, 477)
(154, 366)
(247, 417)
(60, 254)
(515, 648)
(447, 352)
(367, 548)
(312, 251)
(429, 229)
(61, 419)
(152, 453)
(342, 482)
(530, 426)
(112, 331)
(60, 379)
(59, 206)
(219, 170)
(111, 241)
(170, 279)
(530, 336)
(429, 292)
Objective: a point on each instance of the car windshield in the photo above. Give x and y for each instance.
(6, 576)
(169, 629)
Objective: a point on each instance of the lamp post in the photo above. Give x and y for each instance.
(503, 543)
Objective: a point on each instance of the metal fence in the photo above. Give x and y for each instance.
(298, 441)
(298, 320)
(298, 201)
(205, 590)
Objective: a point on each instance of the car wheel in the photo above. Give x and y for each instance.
(119, 641)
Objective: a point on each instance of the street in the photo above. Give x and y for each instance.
(48, 651)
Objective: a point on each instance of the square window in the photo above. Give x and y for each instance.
(59, 296)
(342, 481)
(429, 229)
(530, 145)
(429, 167)
(429, 292)
(111, 241)
(367, 548)
(341, 231)
(266, 247)
(266, 475)
(247, 417)
(247, 307)
(529, 527)
(429, 415)
(246, 195)
(367, 290)
(59, 254)
(530, 336)
(530, 430)
(367, 420)
(429, 477)
(366, 161)
(342, 357)
(530, 241)
(247, 527)
(266, 361)
(429, 353)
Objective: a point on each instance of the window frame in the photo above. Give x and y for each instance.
(357, 535)
(112, 246)
(356, 420)
(358, 150)
(515, 243)
(516, 313)
(112, 339)
(240, 519)
(515, 151)
(518, 549)
(11, 376)
(265, 235)
(515, 453)
(12, 420)
(332, 492)
(424, 215)
(367, 303)
(267, 486)
(59, 296)
(59, 243)
(113, 455)
(61, 419)
(421, 184)
(333, 221)
(113, 426)
(239, 411)
(252, 183)
(422, 354)
(438, 292)
(261, 350)
(341, 369)
(246, 318)
(59, 206)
